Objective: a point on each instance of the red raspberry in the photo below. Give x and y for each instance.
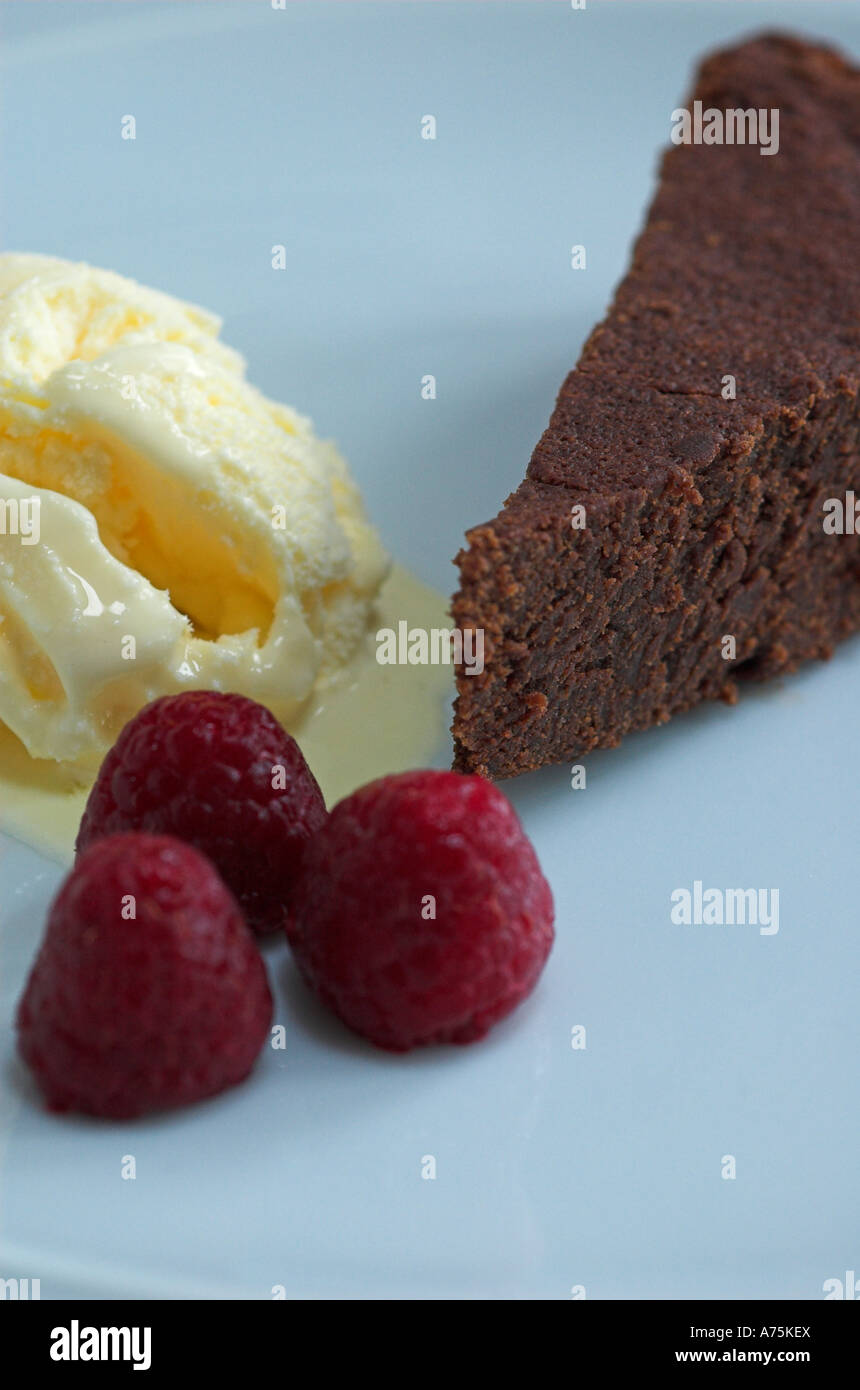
(203, 766)
(362, 930)
(123, 1014)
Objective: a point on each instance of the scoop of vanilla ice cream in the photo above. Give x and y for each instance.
(184, 531)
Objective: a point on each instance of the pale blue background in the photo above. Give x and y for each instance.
(555, 1167)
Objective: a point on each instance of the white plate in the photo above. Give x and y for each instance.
(556, 1167)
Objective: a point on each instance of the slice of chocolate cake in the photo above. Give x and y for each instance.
(678, 525)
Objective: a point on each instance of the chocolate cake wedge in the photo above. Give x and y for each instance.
(678, 526)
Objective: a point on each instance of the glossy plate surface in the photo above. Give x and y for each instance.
(599, 1168)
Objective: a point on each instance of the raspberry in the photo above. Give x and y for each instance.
(421, 914)
(206, 768)
(124, 1014)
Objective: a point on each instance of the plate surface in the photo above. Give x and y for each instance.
(601, 1167)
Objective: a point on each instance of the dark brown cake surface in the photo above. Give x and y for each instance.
(704, 514)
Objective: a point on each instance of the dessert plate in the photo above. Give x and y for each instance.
(672, 1114)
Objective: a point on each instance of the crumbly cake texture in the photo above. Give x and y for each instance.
(703, 515)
